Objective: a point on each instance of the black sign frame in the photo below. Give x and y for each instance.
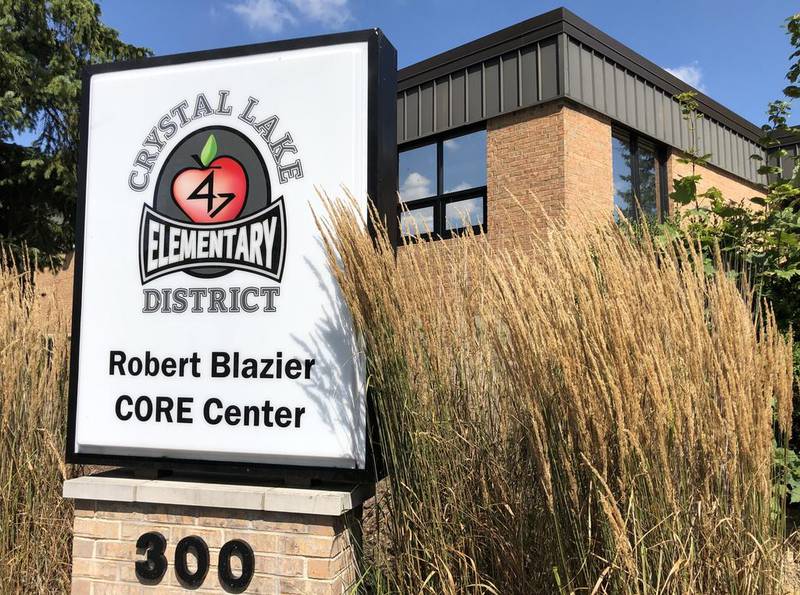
(381, 187)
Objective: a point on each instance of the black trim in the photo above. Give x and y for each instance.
(381, 186)
(555, 22)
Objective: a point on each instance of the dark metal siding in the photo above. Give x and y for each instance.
(787, 162)
(558, 55)
(616, 92)
(517, 79)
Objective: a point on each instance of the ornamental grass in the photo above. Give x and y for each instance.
(35, 522)
(585, 413)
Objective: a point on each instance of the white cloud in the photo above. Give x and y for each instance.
(452, 145)
(416, 222)
(331, 13)
(415, 186)
(275, 15)
(464, 213)
(459, 187)
(690, 73)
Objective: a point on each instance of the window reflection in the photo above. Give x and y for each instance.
(635, 166)
(623, 178)
(442, 185)
(464, 213)
(646, 159)
(464, 162)
(417, 221)
(417, 173)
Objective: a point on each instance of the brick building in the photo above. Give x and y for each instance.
(549, 120)
(554, 118)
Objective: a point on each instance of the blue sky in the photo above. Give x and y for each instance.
(734, 50)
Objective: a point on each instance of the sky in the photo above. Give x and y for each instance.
(735, 51)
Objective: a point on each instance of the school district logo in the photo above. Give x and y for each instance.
(213, 211)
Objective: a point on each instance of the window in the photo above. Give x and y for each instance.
(443, 186)
(639, 177)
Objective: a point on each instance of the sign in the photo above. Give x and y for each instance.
(208, 330)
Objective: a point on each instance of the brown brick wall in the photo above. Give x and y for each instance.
(589, 183)
(293, 553)
(525, 177)
(548, 165)
(732, 188)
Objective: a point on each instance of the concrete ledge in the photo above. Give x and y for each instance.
(328, 502)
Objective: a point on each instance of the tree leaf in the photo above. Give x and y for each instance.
(209, 151)
(787, 274)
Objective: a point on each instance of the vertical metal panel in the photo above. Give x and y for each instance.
(597, 83)
(530, 76)
(426, 108)
(744, 158)
(491, 87)
(474, 93)
(412, 113)
(641, 120)
(458, 98)
(716, 146)
(401, 120)
(620, 95)
(748, 148)
(510, 65)
(727, 150)
(658, 114)
(608, 85)
(717, 154)
(574, 69)
(726, 161)
(703, 135)
(739, 165)
(649, 110)
(585, 69)
(548, 62)
(630, 101)
(678, 129)
(666, 113)
(442, 104)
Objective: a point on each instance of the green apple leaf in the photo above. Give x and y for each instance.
(209, 151)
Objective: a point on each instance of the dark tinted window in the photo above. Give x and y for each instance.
(637, 173)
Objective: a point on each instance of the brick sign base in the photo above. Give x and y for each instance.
(303, 541)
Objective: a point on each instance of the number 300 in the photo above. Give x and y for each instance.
(151, 570)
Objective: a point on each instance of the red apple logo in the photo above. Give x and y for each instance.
(213, 193)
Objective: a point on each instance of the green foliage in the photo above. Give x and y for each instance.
(759, 238)
(44, 45)
(787, 465)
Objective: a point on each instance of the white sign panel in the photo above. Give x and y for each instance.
(208, 327)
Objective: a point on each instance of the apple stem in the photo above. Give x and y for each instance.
(197, 159)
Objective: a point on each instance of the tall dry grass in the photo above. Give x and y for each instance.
(588, 414)
(35, 522)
